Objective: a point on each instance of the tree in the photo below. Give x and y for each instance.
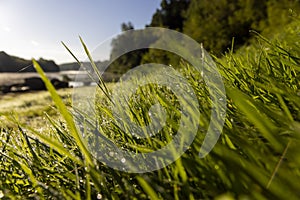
(127, 26)
(211, 22)
(214, 23)
(171, 14)
(280, 12)
(122, 43)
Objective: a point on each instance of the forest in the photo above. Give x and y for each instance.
(218, 24)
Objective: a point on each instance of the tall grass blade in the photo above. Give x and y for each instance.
(64, 112)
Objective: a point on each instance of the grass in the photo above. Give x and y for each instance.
(30, 107)
(256, 157)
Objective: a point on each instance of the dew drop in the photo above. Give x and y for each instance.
(99, 196)
(123, 160)
(111, 154)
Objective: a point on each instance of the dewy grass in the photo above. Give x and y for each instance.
(64, 112)
(256, 157)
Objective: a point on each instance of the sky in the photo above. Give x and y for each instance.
(35, 28)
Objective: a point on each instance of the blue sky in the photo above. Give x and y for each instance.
(35, 28)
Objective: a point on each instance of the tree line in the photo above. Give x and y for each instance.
(214, 23)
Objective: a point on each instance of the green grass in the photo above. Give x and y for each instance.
(30, 107)
(256, 157)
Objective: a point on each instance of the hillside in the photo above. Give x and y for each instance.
(10, 63)
(74, 65)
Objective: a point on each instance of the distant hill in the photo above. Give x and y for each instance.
(108, 73)
(73, 66)
(69, 66)
(10, 63)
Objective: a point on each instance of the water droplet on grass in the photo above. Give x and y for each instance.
(111, 153)
(99, 196)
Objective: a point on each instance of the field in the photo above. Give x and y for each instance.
(256, 157)
(29, 107)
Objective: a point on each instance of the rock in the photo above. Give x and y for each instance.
(35, 83)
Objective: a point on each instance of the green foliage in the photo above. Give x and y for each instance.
(123, 62)
(214, 23)
(170, 15)
(257, 156)
(280, 13)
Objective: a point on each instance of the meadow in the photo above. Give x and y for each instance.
(256, 156)
(29, 107)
